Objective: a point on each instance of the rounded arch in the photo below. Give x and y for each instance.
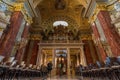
(56, 23)
(48, 23)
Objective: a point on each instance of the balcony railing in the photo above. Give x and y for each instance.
(60, 41)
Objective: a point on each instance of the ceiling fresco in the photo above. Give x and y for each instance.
(62, 10)
(74, 12)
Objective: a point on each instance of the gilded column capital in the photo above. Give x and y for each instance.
(102, 6)
(35, 37)
(98, 8)
(18, 6)
(86, 37)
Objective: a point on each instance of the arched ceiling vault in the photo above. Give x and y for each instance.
(69, 10)
(83, 2)
(48, 23)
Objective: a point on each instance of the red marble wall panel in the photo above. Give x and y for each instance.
(26, 53)
(21, 52)
(10, 37)
(112, 37)
(94, 52)
(87, 52)
(34, 53)
(102, 51)
(26, 32)
(97, 38)
(95, 31)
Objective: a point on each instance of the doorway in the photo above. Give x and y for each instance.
(61, 62)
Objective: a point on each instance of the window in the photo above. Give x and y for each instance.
(63, 23)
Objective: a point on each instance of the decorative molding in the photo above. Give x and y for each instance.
(35, 37)
(18, 6)
(86, 37)
(71, 22)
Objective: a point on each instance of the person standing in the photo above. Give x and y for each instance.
(61, 68)
(49, 67)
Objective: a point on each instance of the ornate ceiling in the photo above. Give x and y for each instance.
(71, 11)
(62, 10)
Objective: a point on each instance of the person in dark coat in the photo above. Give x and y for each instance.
(49, 67)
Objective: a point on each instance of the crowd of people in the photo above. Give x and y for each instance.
(107, 69)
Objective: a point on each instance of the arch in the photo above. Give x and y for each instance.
(48, 23)
(56, 23)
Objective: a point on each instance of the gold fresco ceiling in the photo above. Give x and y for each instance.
(62, 10)
(70, 11)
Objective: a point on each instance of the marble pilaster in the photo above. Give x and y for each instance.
(111, 35)
(83, 58)
(39, 57)
(53, 62)
(68, 61)
(77, 59)
(11, 34)
(100, 49)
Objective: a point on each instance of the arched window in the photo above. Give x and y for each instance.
(63, 23)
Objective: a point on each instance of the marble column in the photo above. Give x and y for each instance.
(24, 36)
(26, 53)
(22, 54)
(31, 45)
(87, 52)
(35, 49)
(45, 59)
(93, 51)
(39, 57)
(53, 57)
(102, 53)
(18, 39)
(83, 58)
(80, 57)
(68, 61)
(77, 59)
(111, 35)
(53, 62)
(11, 33)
